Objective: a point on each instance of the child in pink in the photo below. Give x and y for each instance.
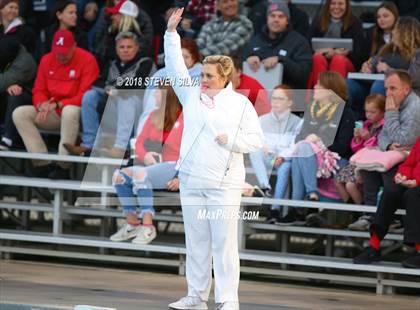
(347, 183)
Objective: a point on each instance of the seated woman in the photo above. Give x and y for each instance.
(337, 21)
(12, 25)
(347, 182)
(280, 128)
(135, 184)
(396, 55)
(327, 129)
(65, 17)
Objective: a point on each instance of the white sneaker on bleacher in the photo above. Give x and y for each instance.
(189, 302)
(145, 235)
(362, 224)
(126, 232)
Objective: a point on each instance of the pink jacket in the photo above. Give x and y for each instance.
(371, 142)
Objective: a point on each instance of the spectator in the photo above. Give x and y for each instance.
(299, 20)
(401, 128)
(164, 128)
(330, 122)
(64, 75)
(337, 21)
(380, 34)
(277, 43)
(197, 13)
(414, 71)
(65, 17)
(401, 192)
(280, 128)
(12, 25)
(396, 55)
(130, 64)
(192, 60)
(17, 73)
(88, 21)
(227, 34)
(250, 88)
(116, 17)
(347, 182)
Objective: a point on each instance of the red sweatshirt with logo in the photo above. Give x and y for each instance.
(66, 83)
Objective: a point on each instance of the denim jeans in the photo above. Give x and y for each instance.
(90, 116)
(126, 114)
(135, 194)
(359, 90)
(304, 168)
(262, 165)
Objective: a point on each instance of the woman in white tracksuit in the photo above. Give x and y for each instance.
(219, 126)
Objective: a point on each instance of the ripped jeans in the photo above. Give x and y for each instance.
(135, 184)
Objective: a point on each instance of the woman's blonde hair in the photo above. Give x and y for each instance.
(224, 65)
(409, 36)
(129, 23)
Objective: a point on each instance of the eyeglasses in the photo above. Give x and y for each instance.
(279, 98)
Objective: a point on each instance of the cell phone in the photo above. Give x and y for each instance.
(158, 158)
(358, 124)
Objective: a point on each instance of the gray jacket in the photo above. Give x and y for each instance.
(402, 126)
(218, 37)
(22, 71)
(280, 134)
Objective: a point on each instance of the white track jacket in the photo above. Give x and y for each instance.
(229, 112)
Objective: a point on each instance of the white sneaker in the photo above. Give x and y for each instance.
(126, 232)
(362, 224)
(228, 305)
(189, 302)
(145, 235)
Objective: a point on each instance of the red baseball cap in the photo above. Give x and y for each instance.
(124, 7)
(63, 41)
(115, 9)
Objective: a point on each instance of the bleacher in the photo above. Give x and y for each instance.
(83, 214)
(281, 262)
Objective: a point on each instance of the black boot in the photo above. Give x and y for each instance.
(274, 216)
(39, 171)
(59, 173)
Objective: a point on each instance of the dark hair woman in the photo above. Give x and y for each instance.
(337, 21)
(65, 17)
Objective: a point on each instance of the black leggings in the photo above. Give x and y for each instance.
(399, 197)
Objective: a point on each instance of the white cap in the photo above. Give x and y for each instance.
(129, 8)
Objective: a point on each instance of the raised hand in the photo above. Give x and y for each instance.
(174, 20)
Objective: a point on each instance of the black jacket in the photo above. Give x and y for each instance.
(22, 34)
(293, 51)
(355, 32)
(335, 133)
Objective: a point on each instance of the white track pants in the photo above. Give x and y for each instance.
(211, 238)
